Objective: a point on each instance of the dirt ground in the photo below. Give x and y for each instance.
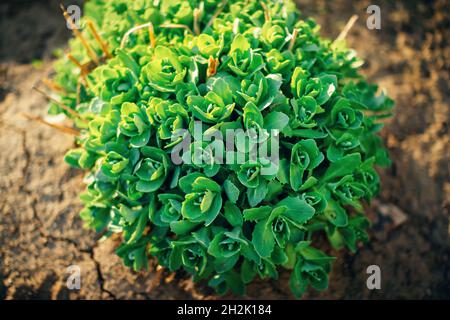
(41, 233)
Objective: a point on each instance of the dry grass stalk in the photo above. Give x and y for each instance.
(58, 127)
(80, 36)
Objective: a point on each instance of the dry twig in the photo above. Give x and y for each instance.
(347, 28)
(58, 127)
(80, 36)
(60, 104)
(97, 37)
(148, 25)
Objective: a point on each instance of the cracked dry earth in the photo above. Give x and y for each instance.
(41, 233)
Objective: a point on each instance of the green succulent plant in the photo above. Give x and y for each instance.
(237, 64)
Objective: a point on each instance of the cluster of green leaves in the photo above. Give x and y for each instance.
(224, 223)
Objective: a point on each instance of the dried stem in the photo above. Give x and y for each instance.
(213, 63)
(196, 17)
(293, 39)
(159, 275)
(236, 26)
(216, 14)
(66, 108)
(127, 34)
(78, 34)
(52, 85)
(84, 68)
(177, 26)
(266, 11)
(347, 28)
(58, 127)
(77, 63)
(78, 91)
(88, 67)
(151, 34)
(97, 37)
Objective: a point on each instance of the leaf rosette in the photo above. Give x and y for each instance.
(116, 84)
(152, 170)
(169, 211)
(190, 254)
(135, 124)
(165, 70)
(345, 116)
(202, 155)
(203, 200)
(305, 156)
(216, 106)
(169, 119)
(244, 61)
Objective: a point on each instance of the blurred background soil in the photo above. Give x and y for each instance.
(41, 233)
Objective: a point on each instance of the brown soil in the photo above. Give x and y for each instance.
(41, 233)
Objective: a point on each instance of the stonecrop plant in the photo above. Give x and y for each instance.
(139, 72)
